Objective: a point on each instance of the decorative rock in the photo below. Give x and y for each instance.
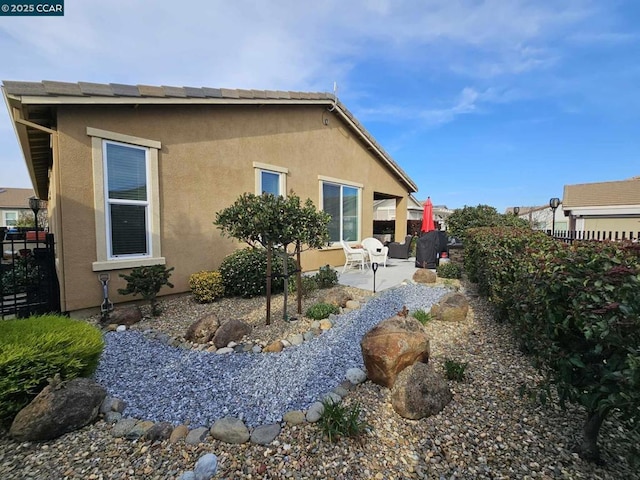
(123, 427)
(118, 405)
(419, 392)
(160, 431)
(139, 430)
(231, 330)
(265, 434)
(286, 343)
(196, 436)
(331, 397)
(348, 385)
(308, 336)
(391, 346)
(232, 344)
(294, 417)
(315, 325)
(188, 475)
(274, 347)
(111, 327)
(296, 339)
(315, 412)
(341, 391)
(112, 417)
(203, 329)
(212, 349)
(206, 467)
(352, 305)
(121, 328)
(125, 316)
(256, 349)
(178, 433)
(453, 307)
(58, 409)
(105, 406)
(339, 298)
(238, 348)
(325, 324)
(247, 347)
(424, 275)
(223, 350)
(355, 376)
(230, 430)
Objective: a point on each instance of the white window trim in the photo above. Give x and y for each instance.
(103, 262)
(282, 173)
(4, 216)
(343, 183)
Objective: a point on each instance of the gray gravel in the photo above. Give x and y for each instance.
(163, 383)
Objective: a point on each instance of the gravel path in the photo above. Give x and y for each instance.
(487, 432)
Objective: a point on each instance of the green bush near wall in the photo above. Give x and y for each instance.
(574, 308)
(35, 349)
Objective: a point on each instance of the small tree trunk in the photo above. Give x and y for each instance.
(298, 277)
(269, 252)
(588, 449)
(285, 269)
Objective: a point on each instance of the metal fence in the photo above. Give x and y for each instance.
(568, 236)
(28, 280)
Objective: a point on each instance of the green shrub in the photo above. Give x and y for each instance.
(321, 310)
(422, 316)
(23, 274)
(449, 270)
(340, 421)
(326, 277)
(244, 272)
(147, 282)
(37, 348)
(206, 286)
(309, 285)
(455, 370)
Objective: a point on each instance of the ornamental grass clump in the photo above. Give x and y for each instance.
(321, 310)
(206, 287)
(339, 421)
(37, 348)
(422, 316)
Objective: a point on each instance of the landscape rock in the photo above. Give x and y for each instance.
(123, 427)
(206, 467)
(230, 331)
(420, 392)
(203, 329)
(230, 430)
(265, 434)
(424, 275)
(58, 409)
(273, 347)
(125, 316)
(294, 417)
(223, 350)
(179, 433)
(315, 411)
(159, 431)
(453, 307)
(112, 417)
(355, 376)
(352, 305)
(391, 346)
(337, 297)
(139, 430)
(196, 436)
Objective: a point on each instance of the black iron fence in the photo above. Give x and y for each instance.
(28, 280)
(568, 236)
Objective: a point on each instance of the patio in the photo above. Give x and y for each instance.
(396, 271)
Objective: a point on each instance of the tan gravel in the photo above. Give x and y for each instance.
(487, 432)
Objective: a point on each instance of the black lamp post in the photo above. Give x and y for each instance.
(553, 203)
(516, 211)
(374, 267)
(35, 204)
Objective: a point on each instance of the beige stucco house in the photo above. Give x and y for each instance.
(603, 206)
(135, 174)
(14, 202)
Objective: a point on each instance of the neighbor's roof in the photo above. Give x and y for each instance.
(623, 192)
(15, 197)
(36, 102)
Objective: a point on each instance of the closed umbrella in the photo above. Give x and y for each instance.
(427, 217)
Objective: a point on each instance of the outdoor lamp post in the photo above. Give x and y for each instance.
(374, 267)
(35, 204)
(516, 211)
(553, 203)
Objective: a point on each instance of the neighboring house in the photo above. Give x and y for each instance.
(541, 217)
(13, 203)
(605, 206)
(385, 209)
(135, 174)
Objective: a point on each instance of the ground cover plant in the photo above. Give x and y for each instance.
(37, 348)
(455, 370)
(321, 310)
(422, 316)
(575, 309)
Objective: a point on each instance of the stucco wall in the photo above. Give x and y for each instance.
(205, 162)
(613, 225)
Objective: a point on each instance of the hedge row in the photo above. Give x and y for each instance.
(575, 308)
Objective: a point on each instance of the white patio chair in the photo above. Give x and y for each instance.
(377, 252)
(354, 256)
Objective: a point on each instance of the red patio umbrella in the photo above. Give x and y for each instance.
(427, 217)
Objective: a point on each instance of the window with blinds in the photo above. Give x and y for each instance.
(127, 200)
(341, 202)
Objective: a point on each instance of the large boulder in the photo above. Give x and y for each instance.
(203, 329)
(391, 346)
(424, 275)
(453, 307)
(230, 331)
(58, 409)
(337, 297)
(419, 392)
(125, 316)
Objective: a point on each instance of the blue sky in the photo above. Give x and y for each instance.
(499, 102)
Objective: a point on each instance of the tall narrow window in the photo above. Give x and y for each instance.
(127, 200)
(342, 202)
